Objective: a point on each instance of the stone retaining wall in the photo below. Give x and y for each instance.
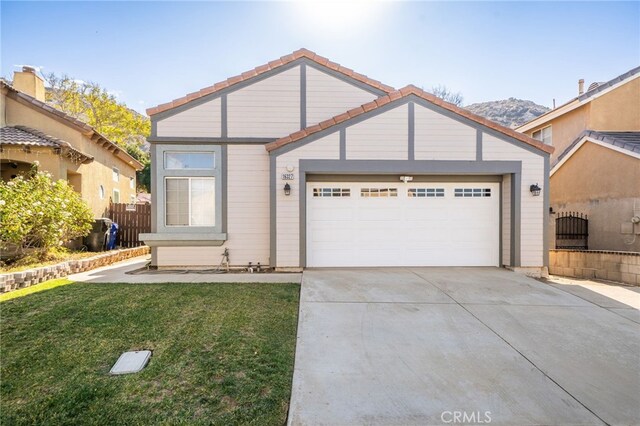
(15, 280)
(620, 266)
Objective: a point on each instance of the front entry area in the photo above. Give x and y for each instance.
(360, 224)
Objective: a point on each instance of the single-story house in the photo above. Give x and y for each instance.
(304, 163)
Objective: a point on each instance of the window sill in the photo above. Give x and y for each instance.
(174, 239)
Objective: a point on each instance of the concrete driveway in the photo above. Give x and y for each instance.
(460, 346)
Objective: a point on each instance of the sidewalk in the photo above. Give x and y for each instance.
(117, 273)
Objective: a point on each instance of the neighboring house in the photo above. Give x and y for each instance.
(596, 165)
(304, 163)
(32, 130)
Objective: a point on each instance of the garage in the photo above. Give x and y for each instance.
(351, 224)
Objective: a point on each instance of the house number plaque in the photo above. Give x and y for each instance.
(287, 176)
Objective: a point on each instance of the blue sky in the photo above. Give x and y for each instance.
(152, 52)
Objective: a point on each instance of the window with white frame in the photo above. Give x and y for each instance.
(116, 174)
(116, 196)
(132, 199)
(101, 192)
(189, 160)
(425, 192)
(190, 201)
(543, 135)
(132, 182)
(378, 192)
(472, 192)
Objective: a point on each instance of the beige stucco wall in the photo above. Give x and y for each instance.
(618, 110)
(606, 190)
(98, 172)
(566, 128)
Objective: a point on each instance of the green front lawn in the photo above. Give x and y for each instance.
(222, 354)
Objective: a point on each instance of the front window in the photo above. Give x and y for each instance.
(190, 201)
(189, 160)
(116, 196)
(543, 135)
(132, 182)
(116, 174)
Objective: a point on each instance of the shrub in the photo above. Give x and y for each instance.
(36, 212)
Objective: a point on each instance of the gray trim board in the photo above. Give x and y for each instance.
(546, 194)
(369, 167)
(500, 254)
(192, 140)
(516, 191)
(272, 211)
(412, 132)
(478, 145)
(393, 178)
(224, 162)
(223, 117)
(153, 157)
(343, 144)
(303, 96)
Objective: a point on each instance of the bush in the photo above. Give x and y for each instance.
(37, 213)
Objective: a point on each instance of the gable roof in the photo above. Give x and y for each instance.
(301, 53)
(394, 96)
(28, 137)
(623, 142)
(72, 122)
(580, 100)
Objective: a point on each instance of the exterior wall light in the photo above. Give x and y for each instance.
(287, 189)
(535, 190)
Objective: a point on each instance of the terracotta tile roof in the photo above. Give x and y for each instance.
(28, 137)
(398, 94)
(81, 126)
(301, 53)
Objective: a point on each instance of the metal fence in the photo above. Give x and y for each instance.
(132, 220)
(572, 231)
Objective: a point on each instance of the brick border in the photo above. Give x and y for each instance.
(620, 266)
(15, 280)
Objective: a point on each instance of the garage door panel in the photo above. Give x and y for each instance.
(422, 225)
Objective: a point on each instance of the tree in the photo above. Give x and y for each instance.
(97, 107)
(444, 93)
(38, 213)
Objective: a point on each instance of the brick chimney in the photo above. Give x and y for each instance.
(28, 82)
(580, 86)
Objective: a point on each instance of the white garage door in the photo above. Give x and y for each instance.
(415, 224)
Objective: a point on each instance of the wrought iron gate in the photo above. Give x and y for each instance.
(572, 231)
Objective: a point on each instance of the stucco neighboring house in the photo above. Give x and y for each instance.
(302, 162)
(596, 165)
(31, 130)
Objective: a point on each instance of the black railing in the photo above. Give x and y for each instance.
(572, 231)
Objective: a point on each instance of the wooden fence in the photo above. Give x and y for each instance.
(132, 220)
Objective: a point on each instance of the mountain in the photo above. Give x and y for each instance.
(510, 112)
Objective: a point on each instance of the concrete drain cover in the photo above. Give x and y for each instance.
(131, 362)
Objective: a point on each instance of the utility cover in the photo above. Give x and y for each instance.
(131, 362)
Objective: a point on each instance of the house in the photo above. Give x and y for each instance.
(596, 166)
(31, 130)
(302, 162)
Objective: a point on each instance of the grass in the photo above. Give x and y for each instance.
(222, 354)
(47, 285)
